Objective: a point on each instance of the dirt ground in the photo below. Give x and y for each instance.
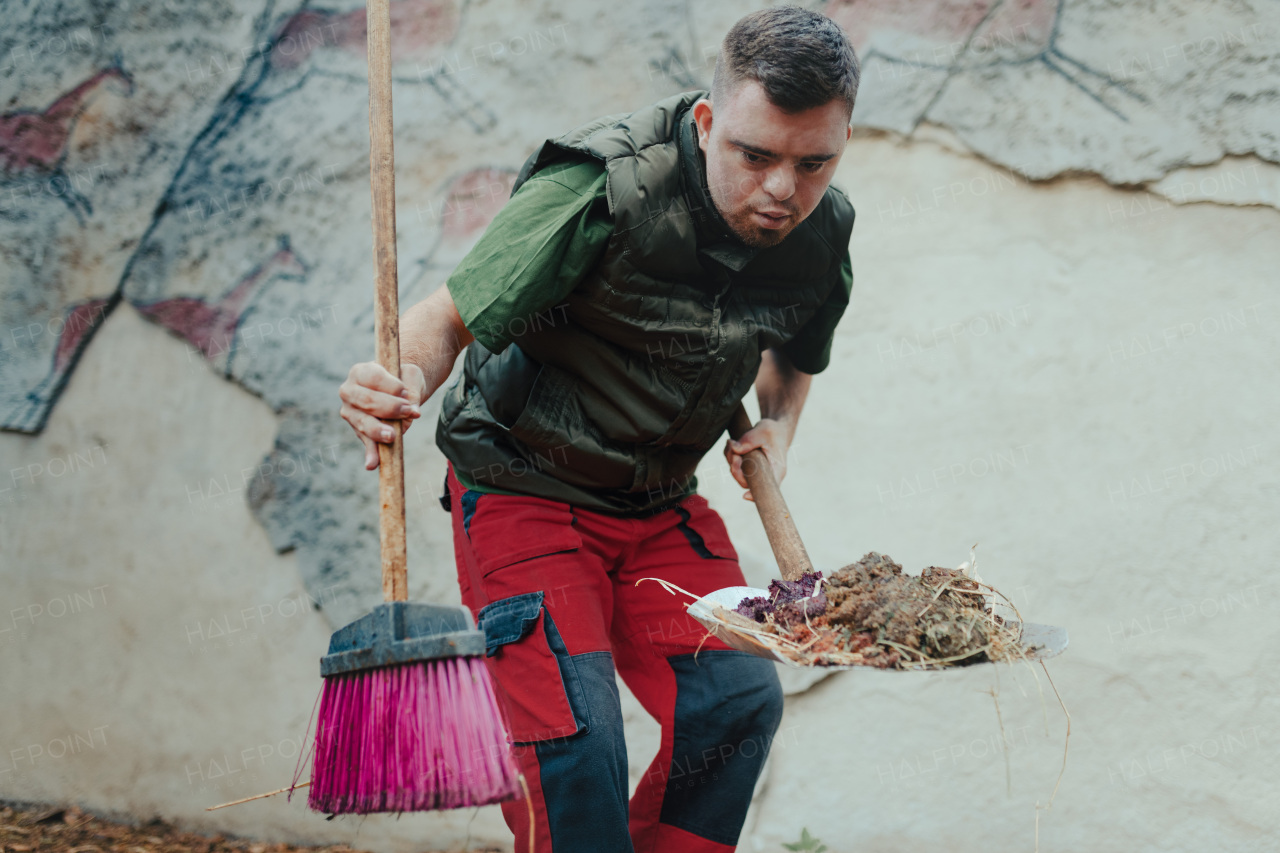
(57, 829)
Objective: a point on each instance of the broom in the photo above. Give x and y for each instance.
(408, 718)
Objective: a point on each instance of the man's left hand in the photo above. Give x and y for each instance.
(769, 435)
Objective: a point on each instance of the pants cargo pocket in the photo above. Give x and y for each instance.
(491, 522)
(538, 679)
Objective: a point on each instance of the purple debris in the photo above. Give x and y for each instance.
(788, 600)
(754, 608)
(785, 592)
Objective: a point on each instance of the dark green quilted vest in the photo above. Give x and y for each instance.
(610, 400)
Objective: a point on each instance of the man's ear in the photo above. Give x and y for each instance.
(702, 118)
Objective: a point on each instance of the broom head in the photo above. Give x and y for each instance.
(408, 716)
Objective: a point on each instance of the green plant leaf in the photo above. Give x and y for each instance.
(806, 843)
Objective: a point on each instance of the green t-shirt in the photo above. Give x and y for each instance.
(546, 239)
(534, 252)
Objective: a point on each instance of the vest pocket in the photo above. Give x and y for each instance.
(537, 421)
(506, 382)
(538, 680)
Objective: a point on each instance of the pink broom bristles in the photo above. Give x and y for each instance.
(412, 737)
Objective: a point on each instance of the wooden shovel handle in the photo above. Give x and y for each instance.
(788, 549)
(386, 302)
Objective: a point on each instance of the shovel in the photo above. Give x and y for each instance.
(715, 611)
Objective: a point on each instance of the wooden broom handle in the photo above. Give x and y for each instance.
(386, 302)
(788, 549)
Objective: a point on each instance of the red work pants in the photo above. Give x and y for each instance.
(554, 588)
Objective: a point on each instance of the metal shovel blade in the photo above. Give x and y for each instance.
(1040, 642)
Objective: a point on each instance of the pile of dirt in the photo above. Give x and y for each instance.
(872, 614)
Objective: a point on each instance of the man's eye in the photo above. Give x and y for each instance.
(812, 167)
(753, 159)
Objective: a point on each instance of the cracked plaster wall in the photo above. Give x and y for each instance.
(1065, 259)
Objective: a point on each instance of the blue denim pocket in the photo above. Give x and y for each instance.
(509, 620)
(544, 691)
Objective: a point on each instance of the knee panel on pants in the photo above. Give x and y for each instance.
(565, 710)
(584, 776)
(728, 707)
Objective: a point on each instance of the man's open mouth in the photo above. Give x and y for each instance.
(772, 220)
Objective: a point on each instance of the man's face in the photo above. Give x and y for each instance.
(767, 169)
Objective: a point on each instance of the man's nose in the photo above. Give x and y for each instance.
(780, 182)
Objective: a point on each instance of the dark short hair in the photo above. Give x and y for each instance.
(801, 58)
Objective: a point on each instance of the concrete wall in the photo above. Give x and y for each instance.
(1059, 347)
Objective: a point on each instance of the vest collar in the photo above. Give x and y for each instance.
(715, 240)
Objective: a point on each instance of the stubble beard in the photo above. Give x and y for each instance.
(742, 226)
(753, 235)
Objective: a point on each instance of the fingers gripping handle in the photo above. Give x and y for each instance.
(784, 538)
(386, 322)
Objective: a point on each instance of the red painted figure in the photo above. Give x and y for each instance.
(471, 202)
(417, 26)
(36, 141)
(211, 327)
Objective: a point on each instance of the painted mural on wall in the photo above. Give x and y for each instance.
(239, 171)
(209, 167)
(1052, 86)
(33, 142)
(256, 252)
(940, 40)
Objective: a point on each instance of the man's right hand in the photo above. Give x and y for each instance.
(371, 395)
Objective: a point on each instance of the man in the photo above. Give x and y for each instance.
(647, 271)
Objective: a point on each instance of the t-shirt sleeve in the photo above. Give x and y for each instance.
(536, 250)
(810, 349)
